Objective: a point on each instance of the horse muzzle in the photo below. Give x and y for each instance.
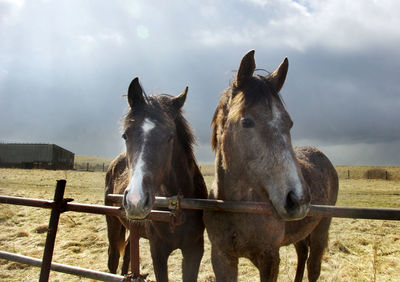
(296, 207)
(137, 208)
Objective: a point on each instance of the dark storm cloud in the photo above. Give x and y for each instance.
(346, 99)
(65, 66)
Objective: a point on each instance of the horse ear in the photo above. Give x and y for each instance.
(277, 78)
(135, 93)
(246, 69)
(179, 100)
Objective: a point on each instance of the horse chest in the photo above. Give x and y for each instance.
(243, 234)
(299, 230)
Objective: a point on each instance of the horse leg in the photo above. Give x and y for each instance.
(126, 260)
(116, 241)
(191, 260)
(268, 265)
(318, 243)
(302, 254)
(160, 253)
(224, 266)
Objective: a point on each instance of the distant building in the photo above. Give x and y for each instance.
(48, 156)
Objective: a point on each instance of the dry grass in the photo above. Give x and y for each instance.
(358, 249)
(207, 169)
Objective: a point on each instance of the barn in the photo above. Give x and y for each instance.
(48, 156)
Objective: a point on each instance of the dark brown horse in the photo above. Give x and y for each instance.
(255, 161)
(159, 161)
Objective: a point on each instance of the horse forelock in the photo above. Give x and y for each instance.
(153, 109)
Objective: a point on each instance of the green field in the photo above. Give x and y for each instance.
(359, 250)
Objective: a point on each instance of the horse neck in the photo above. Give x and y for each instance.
(180, 178)
(230, 183)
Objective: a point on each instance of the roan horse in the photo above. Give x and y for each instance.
(255, 161)
(159, 161)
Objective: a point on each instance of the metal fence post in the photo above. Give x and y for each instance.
(52, 231)
(134, 249)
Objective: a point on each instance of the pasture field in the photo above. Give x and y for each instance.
(359, 250)
(91, 163)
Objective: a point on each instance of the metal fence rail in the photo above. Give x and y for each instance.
(60, 205)
(64, 268)
(78, 207)
(354, 212)
(264, 208)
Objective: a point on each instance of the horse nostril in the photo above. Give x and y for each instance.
(292, 202)
(146, 201)
(124, 202)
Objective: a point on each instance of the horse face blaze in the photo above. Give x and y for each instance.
(138, 198)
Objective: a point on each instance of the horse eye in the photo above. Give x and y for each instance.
(247, 122)
(124, 136)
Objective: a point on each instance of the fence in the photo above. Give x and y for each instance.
(175, 204)
(362, 172)
(86, 166)
(58, 206)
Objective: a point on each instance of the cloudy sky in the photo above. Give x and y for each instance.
(65, 65)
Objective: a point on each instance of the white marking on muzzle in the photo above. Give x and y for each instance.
(135, 187)
(292, 172)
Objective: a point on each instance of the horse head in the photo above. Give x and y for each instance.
(251, 133)
(150, 135)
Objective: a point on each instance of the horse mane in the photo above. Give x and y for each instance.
(257, 90)
(161, 103)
